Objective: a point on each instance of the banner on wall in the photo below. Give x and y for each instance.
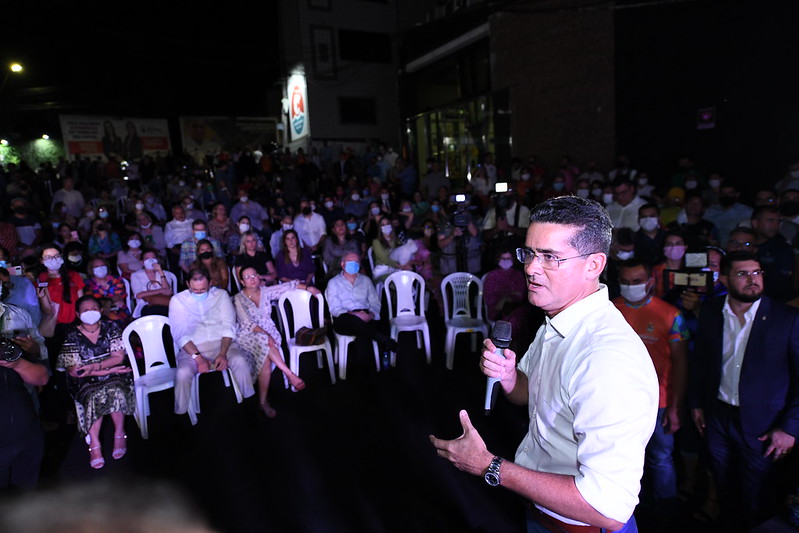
(207, 136)
(122, 138)
(298, 107)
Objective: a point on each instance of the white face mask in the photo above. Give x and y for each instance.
(525, 177)
(624, 255)
(100, 272)
(690, 185)
(54, 264)
(356, 197)
(287, 227)
(134, 243)
(375, 210)
(150, 263)
(244, 199)
(643, 182)
(387, 229)
(583, 193)
(607, 198)
(329, 205)
(633, 293)
(716, 183)
(244, 227)
(505, 264)
(90, 317)
(384, 197)
(649, 223)
(139, 206)
(90, 215)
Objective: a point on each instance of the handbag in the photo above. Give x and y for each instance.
(310, 337)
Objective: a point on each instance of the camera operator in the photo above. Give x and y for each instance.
(22, 362)
(459, 239)
(505, 224)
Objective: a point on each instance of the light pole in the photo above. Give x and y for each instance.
(16, 68)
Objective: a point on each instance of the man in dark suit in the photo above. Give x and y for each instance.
(745, 389)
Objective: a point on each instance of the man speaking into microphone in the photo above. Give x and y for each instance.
(588, 381)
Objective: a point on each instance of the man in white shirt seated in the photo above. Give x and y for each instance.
(355, 306)
(203, 323)
(623, 210)
(176, 232)
(310, 226)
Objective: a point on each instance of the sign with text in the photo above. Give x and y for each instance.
(298, 107)
(122, 138)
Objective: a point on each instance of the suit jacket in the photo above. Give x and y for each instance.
(769, 385)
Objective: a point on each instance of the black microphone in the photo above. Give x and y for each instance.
(500, 336)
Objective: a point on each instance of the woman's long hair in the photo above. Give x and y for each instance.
(286, 258)
(63, 273)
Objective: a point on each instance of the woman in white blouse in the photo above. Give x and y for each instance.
(257, 333)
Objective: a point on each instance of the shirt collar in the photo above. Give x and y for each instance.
(571, 317)
(749, 315)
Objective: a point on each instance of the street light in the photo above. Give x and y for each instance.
(16, 68)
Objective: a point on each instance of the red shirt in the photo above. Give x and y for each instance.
(66, 310)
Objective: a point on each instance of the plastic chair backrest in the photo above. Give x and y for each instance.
(463, 302)
(150, 330)
(298, 303)
(408, 287)
(371, 255)
(129, 299)
(172, 280)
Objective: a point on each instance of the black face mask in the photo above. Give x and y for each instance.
(789, 209)
(206, 255)
(726, 201)
(306, 211)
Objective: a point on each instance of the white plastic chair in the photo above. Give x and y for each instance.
(485, 307)
(406, 309)
(371, 255)
(130, 301)
(172, 279)
(300, 303)
(342, 345)
(158, 374)
(194, 404)
(464, 314)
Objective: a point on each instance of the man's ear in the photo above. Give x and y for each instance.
(595, 265)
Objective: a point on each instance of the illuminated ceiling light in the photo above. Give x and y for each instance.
(46, 137)
(16, 67)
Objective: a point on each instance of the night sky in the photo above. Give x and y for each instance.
(142, 59)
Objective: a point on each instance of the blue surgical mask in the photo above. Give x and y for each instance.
(352, 226)
(3, 264)
(199, 296)
(558, 186)
(352, 267)
(199, 235)
(435, 208)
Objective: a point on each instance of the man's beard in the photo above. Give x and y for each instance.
(744, 297)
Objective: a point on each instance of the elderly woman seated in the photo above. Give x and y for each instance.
(257, 333)
(98, 377)
(203, 324)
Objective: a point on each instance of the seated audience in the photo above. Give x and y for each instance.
(109, 290)
(260, 260)
(337, 244)
(151, 287)
(216, 266)
(129, 258)
(294, 262)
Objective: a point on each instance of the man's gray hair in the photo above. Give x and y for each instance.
(594, 228)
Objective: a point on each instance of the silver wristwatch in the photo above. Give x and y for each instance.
(492, 473)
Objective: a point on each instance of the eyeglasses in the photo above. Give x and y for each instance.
(251, 276)
(546, 260)
(747, 273)
(49, 257)
(745, 244)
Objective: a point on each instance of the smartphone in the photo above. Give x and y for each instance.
(43, 284)
(501, 187)
(15, 271)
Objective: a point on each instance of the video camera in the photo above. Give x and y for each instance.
(696, 275)
(460, 217)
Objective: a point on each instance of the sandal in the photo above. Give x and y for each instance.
(98, 462)
(119, 452)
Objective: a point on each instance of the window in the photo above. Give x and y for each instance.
(364, 46)
(355, 110)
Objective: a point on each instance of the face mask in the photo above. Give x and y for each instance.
(558, 186)
(206, 255)
(75, 258)
(287, 227)
(352, 226)
(146, 226)
(714, 183)
(352, 267)
(100, 272)
(384, 197)
(199, 185)
(505, 264)
(624, 255)
(690, 185)
(306, 211)
(139, 206)
(103, 214)
(525, 177)
(649, 223)
(583, 193)
(244, 228)
(406, 209)
(54, 264)
(313, 207)
(633, 293)
(675, 253)
(199, 235)
(182, 183)
(201, 296)
(134, 243)
(435, 208)
(90, 317)
(607, 198)
(244, 199)
(189, 206)
(55, 225)
(329, 205)
(387, 229)
(90, 215)
(356, 197)
(150, 263)
(643, 182)
(716, 277)
(596, 192)
(3, 264)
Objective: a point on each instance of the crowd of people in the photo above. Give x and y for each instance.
(211, 245)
